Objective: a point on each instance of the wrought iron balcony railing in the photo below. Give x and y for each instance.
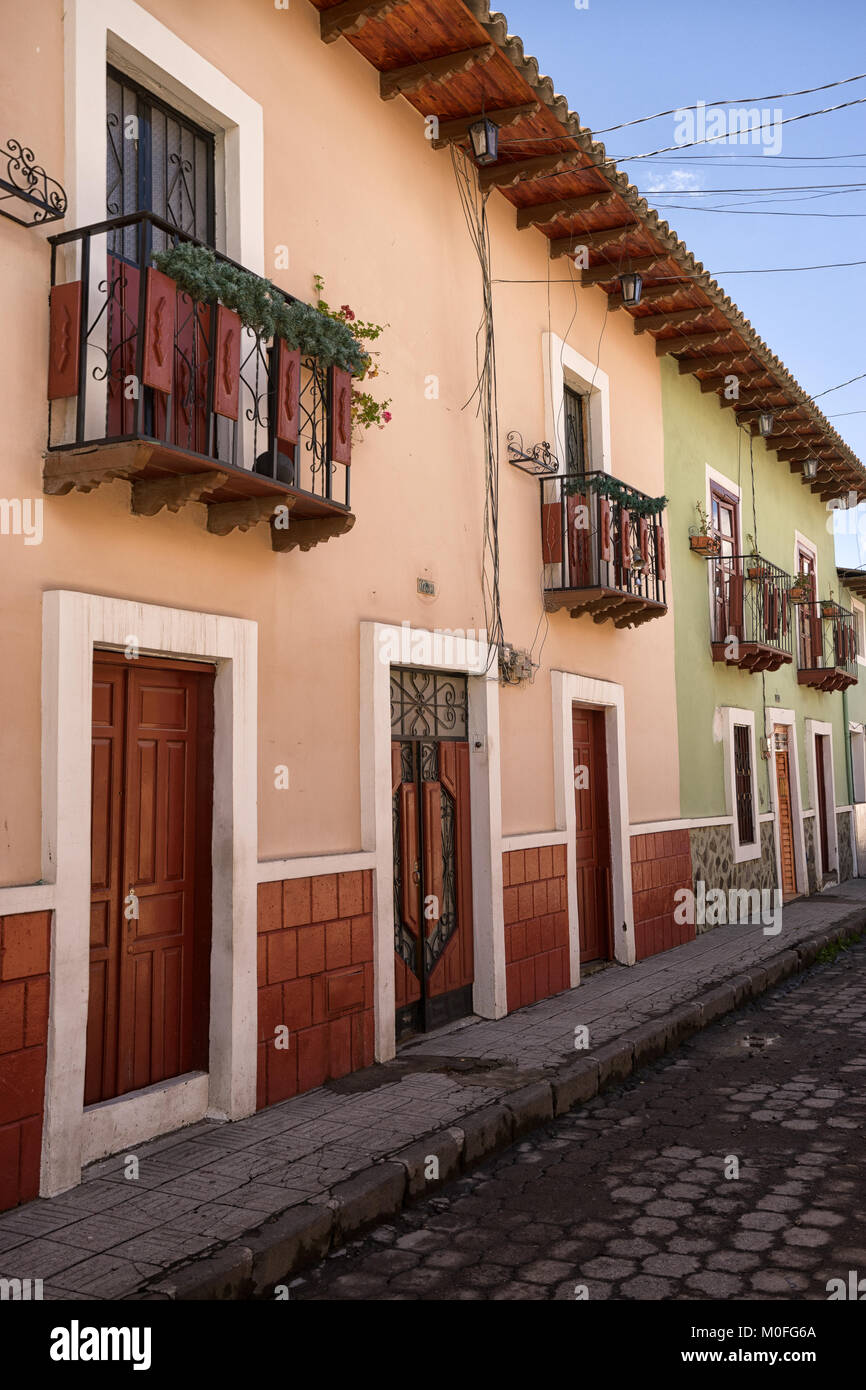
(826, 645)
(603, 548)
(751, 617)
(158, 392)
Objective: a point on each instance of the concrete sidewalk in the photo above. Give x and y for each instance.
(228, 1210)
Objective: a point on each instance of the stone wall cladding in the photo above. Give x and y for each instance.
(843, 833)
(811, 865)
(315, 976)
(660, 865)
(536, 924)
(25, 953)
(712, 852)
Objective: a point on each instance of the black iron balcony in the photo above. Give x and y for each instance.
(603, 547)
(751, 617)
(175, 395)
(827, 645)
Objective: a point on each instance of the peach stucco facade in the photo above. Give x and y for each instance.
(356, 193)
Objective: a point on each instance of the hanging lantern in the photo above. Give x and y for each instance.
(631, 285)
(484, 135)
(765, 423)
(810, 468)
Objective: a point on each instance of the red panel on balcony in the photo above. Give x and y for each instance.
(228, 363)
(288, 395)
(341, 416)
(604, 527)
(159, 325)
(661, 554)
(64, 339)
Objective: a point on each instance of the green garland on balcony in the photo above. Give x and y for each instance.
(263, 308)
(615, 491)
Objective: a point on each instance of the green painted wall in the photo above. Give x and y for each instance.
(698, 432)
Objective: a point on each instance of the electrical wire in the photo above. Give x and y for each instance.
(733, 101)
(841, 384)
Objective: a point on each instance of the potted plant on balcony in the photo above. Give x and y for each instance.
(757, 568)
(701, 540)
(801, 588)
(828, 607)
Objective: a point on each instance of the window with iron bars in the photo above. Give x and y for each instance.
(743, 784)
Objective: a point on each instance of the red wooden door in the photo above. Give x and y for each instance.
(592, 834)
(432, 883)
(152, 790)
(821, 808)
(786, 820)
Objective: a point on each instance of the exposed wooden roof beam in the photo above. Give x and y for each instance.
(542, 214)
(567, 245)
(715, 383)
(504, 175)
(602, 274)
(506, 116)
(649, 295)
(666, 345)
(758, 397)
(402, 81)
(651, 323)
(715, 359)
(350, 17)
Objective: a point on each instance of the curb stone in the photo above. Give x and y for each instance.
(302, 1235)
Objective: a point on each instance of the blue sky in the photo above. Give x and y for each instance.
(620, 59)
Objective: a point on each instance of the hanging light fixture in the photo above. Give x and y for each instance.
(631, 286)
(484, 135)
(765, 422)
(810, 468)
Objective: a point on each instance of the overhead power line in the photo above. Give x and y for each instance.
(733, 101)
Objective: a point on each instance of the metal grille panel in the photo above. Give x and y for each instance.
(428, 704)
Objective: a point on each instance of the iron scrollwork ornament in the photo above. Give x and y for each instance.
(539, 460)
(28, 187)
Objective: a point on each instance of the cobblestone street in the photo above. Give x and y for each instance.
(632, 1196)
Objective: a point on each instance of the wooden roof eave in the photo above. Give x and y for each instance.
(470, 25)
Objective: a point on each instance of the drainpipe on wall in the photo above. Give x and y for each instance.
(849, 770)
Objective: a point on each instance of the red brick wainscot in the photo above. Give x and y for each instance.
(536, 924)
(25, 952)
(660, 864)
(316, 980)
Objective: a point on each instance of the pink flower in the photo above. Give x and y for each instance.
(386, 416)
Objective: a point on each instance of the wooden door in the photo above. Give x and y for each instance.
(152, 792)
(821, 808)
(727, 568)
(811, 651)
(432, 883)
(786, 820)
(592, 835)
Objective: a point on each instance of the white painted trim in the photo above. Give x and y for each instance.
(859, 611)
(72, 625)
(535, 840)
(820, 727)
(774, 715)
(714, 476)
(656, 827)
(274, 870)
(731, 715)
(26, 897)
(122, 1123)
(127, 34)
(384, 645)
(807, 814)
(565, 367)
(568, 690)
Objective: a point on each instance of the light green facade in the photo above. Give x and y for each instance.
(700, 433)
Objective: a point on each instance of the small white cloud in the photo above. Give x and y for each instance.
(677, 181)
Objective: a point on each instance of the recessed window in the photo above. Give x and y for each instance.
(860, 625)
(743, 783)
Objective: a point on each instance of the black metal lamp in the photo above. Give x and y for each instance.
(484, 135)
(810, 468)
(631, 285)
(765, 423)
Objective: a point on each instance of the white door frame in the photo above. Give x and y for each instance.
(384, 645)
(815, 727)
(569, 690)
(774, 715)
(73, 625)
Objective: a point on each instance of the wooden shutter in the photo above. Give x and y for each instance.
(606, 548)
(288, 394)
(159, 326)
(661, 554)
(644, 541)
(551, 533)
(625, 537)
(341, 416)
(228, 363)
(735, 604)
(64, 340)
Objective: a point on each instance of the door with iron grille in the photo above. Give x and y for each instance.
(432, 851)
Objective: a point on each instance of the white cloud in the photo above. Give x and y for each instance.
(677, 181)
